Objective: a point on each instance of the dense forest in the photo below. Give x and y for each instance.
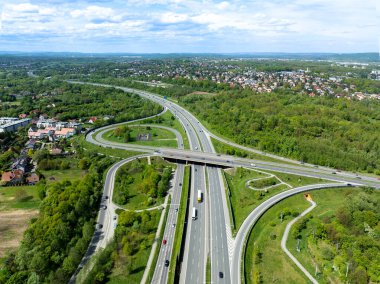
(64, 101)
(338, 133)
(347, 244)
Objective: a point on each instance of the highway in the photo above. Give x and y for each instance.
(218, 234)
(225, 254)
(161, 271)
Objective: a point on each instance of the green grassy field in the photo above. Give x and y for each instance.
(61, 175)
(264, 183)
(119, 153)
(244, 200)
(264, 260)
(160, 137)
(296, 180)
(166, 120)
(19, 197)
(180, 223)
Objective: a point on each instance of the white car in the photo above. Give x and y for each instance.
(253, 165)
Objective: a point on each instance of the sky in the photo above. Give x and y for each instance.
(178, 26)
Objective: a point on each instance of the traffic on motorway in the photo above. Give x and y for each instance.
(209, 224)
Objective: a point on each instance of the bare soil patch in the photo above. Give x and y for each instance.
(12, 226)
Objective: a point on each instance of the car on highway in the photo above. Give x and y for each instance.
(196, 147)
(99, 226)
(114, 217)
(180, 184)
(164, 242)
(253, 165)
(221, 275)
(173, 225)
(166, 262)
(358, 177)
(176, 210)
(106, 197)
(334, 173)
(105, 207)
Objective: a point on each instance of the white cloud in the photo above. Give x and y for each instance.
(24, 7)
(223, 5)
(93, 12)
(281, 22)
(172, 18)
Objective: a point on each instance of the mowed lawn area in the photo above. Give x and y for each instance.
(52, 176)
(244, 200)
(265, 262)
(157, 136)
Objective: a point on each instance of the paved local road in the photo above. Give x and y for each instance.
(254, 216)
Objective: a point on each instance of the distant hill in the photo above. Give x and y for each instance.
(349, 57)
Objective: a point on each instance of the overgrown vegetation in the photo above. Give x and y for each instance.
(139, 185)
(124, 260)
(342, 241)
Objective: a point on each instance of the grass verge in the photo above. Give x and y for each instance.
(118, 153)
(159, 137)
(244, 199)
(264, 261)
(167, 120)
(208, 270)
(224, 148)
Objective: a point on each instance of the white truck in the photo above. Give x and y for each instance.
(194, 216)
(199, 196)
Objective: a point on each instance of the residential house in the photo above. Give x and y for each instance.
(92, 119)
(32, 179)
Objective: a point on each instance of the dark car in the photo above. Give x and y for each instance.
(221, 274)
(167, 263)
(180, 184)
(164, 242)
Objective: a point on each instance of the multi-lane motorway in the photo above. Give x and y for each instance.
(210, 233)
